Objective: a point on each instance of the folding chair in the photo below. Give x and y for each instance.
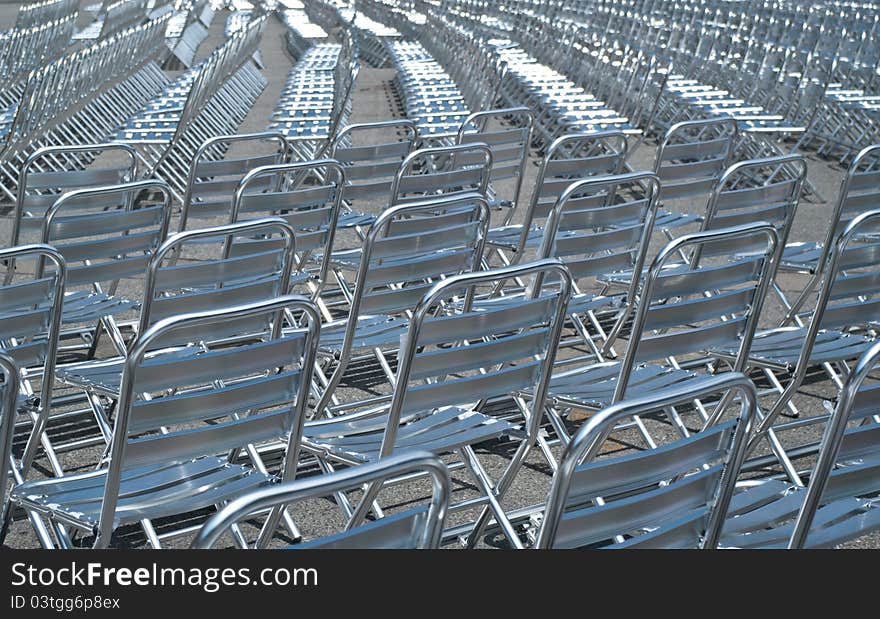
(449, 366)
(674, 496)
(840, 501)
(442, 170)
(509, 147)
(371, 154)
(682, 310)
(690, 161)
(408, 248)
(7, 430)
(106, 235)
(827, 336)
(568, 159)
(163, 458)
(54, 170)
(212, 177)
(418, 527)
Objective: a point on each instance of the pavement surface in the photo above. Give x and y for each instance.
(375, 99)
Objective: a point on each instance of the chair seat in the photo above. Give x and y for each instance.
(592, 386)
(86, 306)
(104, 376)
(800, 257)
(577, 304)
(153, 492)
(782, 346)
(441, 431)
(672, 219)
(371, 332)
(508, 236)
(761, 515)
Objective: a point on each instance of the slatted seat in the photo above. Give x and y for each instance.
(415, 527)
(176, 413)
(840, 501)
(823, 337)
(409, 247)
(678, 313)
(568, 159)
(175, 285)
(448, 365)
(673, 496)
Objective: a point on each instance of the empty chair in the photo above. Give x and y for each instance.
(508, 134)
(30, 324)
(175, 414)
(674, 496)
(846, 298)
(568, 159)
(859, 192)
(408, 248)
(443, 170)
(371, 154)
(839, 502)
(8, 405)
(212, 177)
(417, 527)
(683, 310)
(106, 234)
(449, 365)
(53, 170)
(690, 160)
(308, 196)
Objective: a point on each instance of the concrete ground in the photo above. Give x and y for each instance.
(374, 99)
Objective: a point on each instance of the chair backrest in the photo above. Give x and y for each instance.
(8, 405)
(418, 527)
(602, 225)
(409, 247)
(30, 323)
(371, 154)
(711, 301)
(108, 233)
(693, 155)
(212, 178)
(508, 134)
(859, 192)
(53, 170)
(673, 496)
(756, 190)
(468, 355)
(442, 170)
(250, 392)
(221, 276)
(852, 436)
(307, 195)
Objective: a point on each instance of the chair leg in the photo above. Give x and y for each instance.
(494, 493)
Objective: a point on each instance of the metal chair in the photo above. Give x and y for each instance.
(450, 364)
(443, 171)
(840, 501)
(9, 400)
(417, 527)
(175, 415)
(674, 496)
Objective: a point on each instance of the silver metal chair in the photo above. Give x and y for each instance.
(682, 310)
(450, 364)
(569, 158)
(840, 502)
(418, 527)
(508, 134)
(443, 171)
(162, 460)
(106, 234)
(674, 496)
(408, 248)
(213, 178)
(8, 408)
(52, 171)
